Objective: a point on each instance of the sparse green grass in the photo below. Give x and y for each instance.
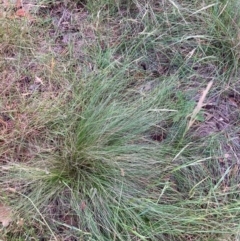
(95, 106)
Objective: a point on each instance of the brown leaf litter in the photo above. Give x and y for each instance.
(5, 215)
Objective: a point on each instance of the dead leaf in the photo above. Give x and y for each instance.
(20, 222)
(122, 172)
(83, 205)
(38, 80)
(227, 156)
(21, 13)
(5, 215)
(10, 189)
(233, 102)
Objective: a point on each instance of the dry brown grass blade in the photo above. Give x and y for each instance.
(199, 106)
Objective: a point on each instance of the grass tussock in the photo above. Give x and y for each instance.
(121, 121)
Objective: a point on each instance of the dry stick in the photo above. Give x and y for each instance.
(198, 107)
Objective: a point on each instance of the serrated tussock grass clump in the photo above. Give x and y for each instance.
(105, 159)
